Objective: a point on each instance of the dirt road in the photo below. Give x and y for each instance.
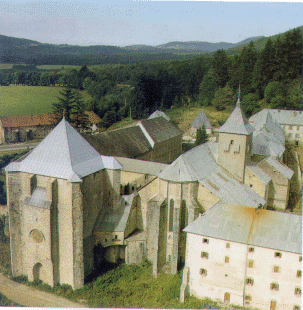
(30, 297)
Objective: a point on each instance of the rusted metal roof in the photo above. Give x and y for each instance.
(160, 129)
(125, 142)
(45, 119)
(257, 227)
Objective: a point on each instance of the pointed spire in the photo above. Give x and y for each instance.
(238, 101)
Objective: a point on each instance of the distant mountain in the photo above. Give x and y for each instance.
(16, 50)
(199, 46)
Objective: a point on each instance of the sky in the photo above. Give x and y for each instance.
(125, 22)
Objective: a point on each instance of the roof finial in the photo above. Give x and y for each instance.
(238, 101)
(63, 117)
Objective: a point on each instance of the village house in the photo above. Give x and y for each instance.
(70, 208)
(23, 128)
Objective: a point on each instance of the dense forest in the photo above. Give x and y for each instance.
(270, 77)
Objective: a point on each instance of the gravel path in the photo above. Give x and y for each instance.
(30, 297)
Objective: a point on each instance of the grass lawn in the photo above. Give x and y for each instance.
(29, 100)
(183, 116)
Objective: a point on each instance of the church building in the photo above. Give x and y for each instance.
(70, 208)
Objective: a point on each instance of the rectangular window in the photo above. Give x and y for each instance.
(205, 241)
(204, 255)
(300, 258)
(249, 281)
(289, 135)
(297, 136)
(297, 291)
(251, 249)
(231, 141)
(203, 272)
(290, 127)
(297, 308)
(276, 269)
(250, 263)
(227, 245)
(298, 127)
(248, 297)
(278, 254)
(226, 259)
(274, 286)
(299, 274)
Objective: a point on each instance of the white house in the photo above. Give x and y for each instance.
(245, 256)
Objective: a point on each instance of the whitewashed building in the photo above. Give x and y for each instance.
(245, 256)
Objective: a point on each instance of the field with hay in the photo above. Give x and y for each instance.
(29, 100)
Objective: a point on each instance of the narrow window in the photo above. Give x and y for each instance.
(248, 297)
(183, 215)
(250, 185)
(297, 308)
(249, 281)
(250, 263)
(274, 286)
(116, 237)
(171, 215)
(226, 259)
(278, 254)
(251, 249)
(231, 141)
(203, 272)
(227, 245)
(299, 274)
(300, 258)
(204, 255)
(276, 269)
(297, 291)
(205, 241)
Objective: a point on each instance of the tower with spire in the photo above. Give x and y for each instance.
(235, 142)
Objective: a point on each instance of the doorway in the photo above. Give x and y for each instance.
(36, 272)
(226, 297)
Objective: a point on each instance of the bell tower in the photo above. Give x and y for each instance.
(235, 143)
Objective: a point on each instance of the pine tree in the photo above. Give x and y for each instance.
(79, 117)
(202, 136)
(220, 65)
(65, 105)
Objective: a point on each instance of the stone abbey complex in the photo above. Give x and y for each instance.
(71, 208)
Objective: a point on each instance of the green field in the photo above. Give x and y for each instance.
(29, 100)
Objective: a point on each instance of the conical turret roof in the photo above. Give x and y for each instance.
(237, 122)
(64, 154)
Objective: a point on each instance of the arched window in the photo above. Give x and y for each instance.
(171, 215)
(183, 216)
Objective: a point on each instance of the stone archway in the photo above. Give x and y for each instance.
(36, 271)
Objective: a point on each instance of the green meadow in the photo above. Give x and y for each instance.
(29, 100)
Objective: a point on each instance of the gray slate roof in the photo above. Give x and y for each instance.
(198, 164)
(289, 117)
(268, 137)
(159, 114)
(141, 166)
(257, 227)
(64, 154)
(115, 220)
(127, 142)
(38, 198)
(287, 172)
(237, 122)
(259, 173)
(201, 120)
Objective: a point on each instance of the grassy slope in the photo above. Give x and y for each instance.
(29, 100)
